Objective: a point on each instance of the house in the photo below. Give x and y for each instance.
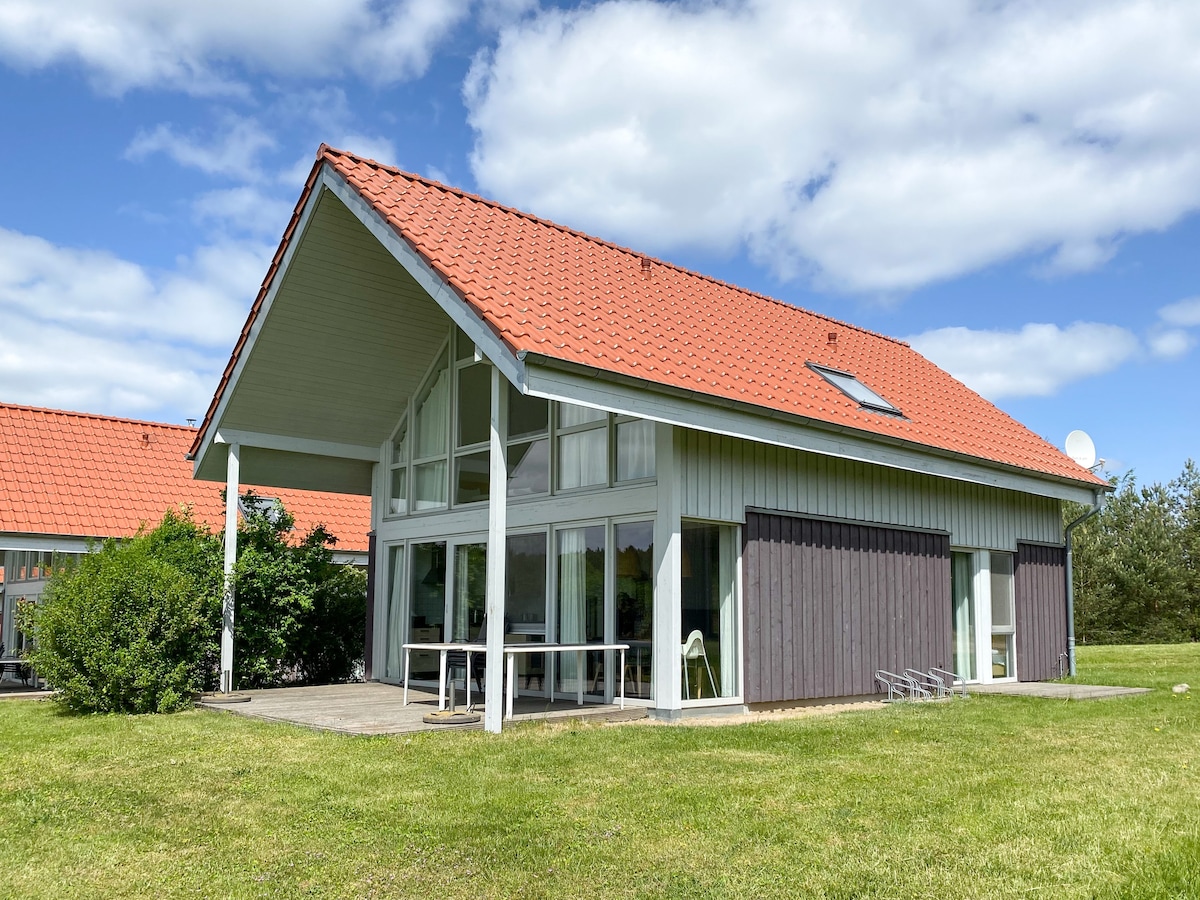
(71, 479)
(656, 452)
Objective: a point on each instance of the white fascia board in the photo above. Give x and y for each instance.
(46, 542)
(704, 414)
(297, 445)
(350, 557)
(442, 293)
(285, 263)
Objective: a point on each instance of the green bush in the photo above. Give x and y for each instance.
(301, 618)
(132, 626)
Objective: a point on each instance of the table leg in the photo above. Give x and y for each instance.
(442, 680)
(406, 670)
(468, 680)
(511, 665)
(622, 671)
(579, 673)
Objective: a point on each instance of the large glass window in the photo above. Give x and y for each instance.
(709, 640)
(634, 548)
(582, 447)
(1003, 616)
(581, 605)
(431, 427)
(525, 603)
(528, 444)
(470, 591)
(427, 617)
(394, 639)
(398, 494)
(635, 449)
(962, 614)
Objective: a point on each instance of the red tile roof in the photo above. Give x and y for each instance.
(556, 292)
(83, 475)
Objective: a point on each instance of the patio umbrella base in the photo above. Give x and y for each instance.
(451, 717)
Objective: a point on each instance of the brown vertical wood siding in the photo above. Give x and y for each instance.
(828, 603)
(1041, 608)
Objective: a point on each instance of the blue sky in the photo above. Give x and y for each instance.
(1015, 189)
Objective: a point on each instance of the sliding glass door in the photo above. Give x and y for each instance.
(580, 610)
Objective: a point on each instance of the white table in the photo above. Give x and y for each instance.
(443, 649)
(510, 656)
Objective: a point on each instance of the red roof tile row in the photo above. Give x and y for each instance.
(83, 475)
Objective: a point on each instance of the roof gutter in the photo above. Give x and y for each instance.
(1097, 505)
(538, 359)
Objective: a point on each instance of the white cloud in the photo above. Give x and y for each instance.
(88, 330)
(1038, 360)
(1171, 343)
(233, 152)
(879, 146)
(199, 47)
(244, 209)
(1185, 313)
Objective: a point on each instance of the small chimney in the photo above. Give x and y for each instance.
(831, 339)
(646, 267)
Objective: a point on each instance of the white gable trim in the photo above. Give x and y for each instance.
(296, 445)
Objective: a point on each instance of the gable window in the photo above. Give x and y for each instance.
(635, 448)
(582, 447)
(528, 444)
(398, 496)
(431, 424)
(856, 390)
(473, 431)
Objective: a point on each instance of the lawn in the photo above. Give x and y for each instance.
(991, 797)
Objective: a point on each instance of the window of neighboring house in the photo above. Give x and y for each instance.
(855, 390)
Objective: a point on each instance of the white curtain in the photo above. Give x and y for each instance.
(572, 598)
(432, 418)
(583, 458)
(727, 568)
(395, 615)
(635, 450)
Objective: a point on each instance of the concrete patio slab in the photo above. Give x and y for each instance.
(1057, 691)
(375, 708)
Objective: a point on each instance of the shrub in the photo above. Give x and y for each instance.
(132, 626)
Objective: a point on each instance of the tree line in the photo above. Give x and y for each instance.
(1137, 563)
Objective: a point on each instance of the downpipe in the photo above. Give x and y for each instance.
(1097, 505)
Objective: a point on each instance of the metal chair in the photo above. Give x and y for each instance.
(691, 650)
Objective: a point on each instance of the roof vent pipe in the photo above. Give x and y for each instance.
(831, 339)
(645, 267)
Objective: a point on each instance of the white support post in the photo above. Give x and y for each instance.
(493, 702)
(232, 492)
(668, 610)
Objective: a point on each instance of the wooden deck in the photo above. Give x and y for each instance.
(375, 708)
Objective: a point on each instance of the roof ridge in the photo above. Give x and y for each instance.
(97, 416)
(326, 150)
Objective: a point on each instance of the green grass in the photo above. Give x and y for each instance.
(993, 797)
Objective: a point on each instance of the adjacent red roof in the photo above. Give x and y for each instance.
(83, 475)
(556, 292)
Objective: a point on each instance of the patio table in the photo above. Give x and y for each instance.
(443, 649)
(511, 651)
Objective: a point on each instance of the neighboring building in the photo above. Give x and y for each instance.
(68, 479)
(658, 452)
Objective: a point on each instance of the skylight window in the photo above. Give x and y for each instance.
(856, 390)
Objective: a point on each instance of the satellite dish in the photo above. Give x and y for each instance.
(1081, 449)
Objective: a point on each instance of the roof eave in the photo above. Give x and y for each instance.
(754, 411)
